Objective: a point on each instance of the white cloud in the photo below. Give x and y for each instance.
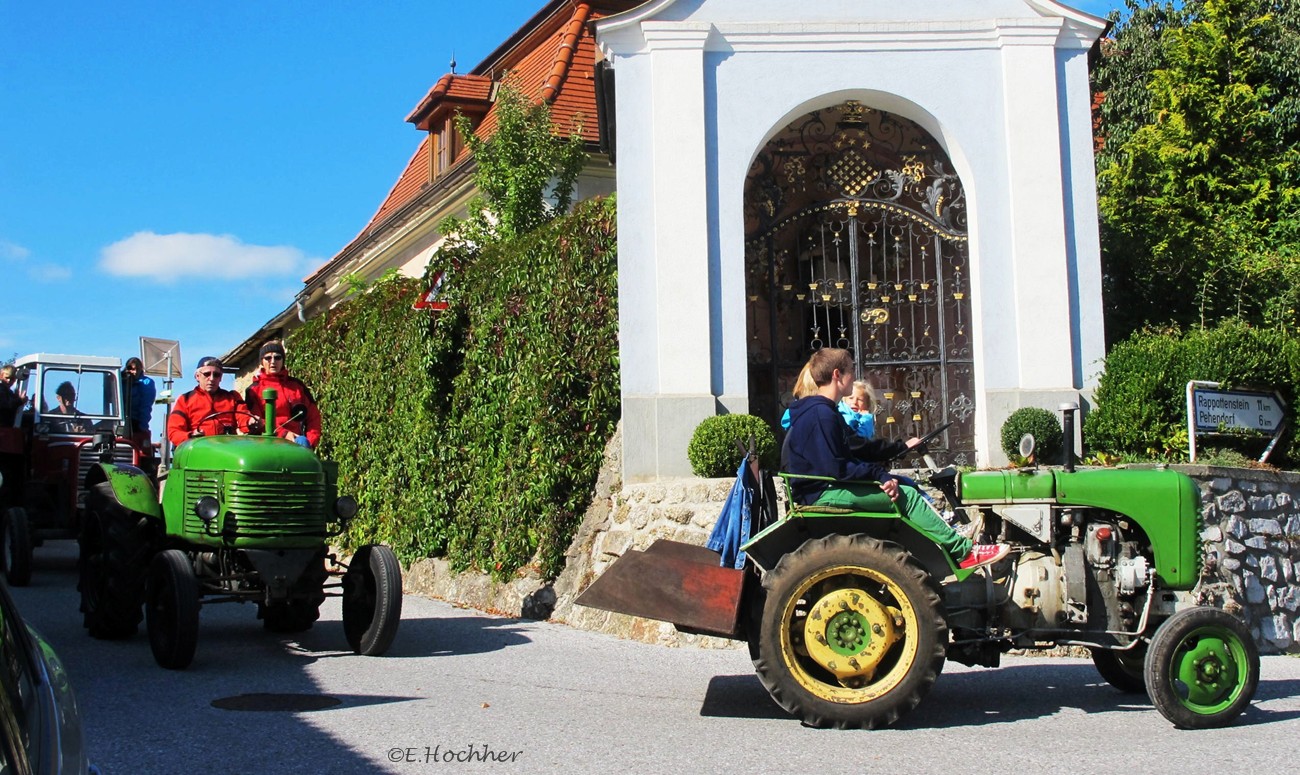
(167, 258)
(49, 273)
(12, 251)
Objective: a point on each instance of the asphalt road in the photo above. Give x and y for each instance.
(467, 692)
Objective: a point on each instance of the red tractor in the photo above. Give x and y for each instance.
(76, 416)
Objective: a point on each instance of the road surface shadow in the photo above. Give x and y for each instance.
(995, 696)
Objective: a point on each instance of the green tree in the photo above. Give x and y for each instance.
(1198, 203)
(525, 173)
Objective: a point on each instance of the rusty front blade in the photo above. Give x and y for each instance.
(672, 582)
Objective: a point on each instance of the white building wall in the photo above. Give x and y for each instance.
(702, 86)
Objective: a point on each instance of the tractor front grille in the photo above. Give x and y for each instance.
(261, 506)
(87, 459)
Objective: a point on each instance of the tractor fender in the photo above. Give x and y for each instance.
(131, 487)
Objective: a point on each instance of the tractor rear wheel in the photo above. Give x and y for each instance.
(111, 566)
(173, 609)
(1202, 668)
(1122, 669)
(372, 600)
(852, 633)
(17, 552)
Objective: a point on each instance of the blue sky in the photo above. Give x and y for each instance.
(174, 168)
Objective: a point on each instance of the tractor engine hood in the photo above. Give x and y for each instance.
(1166, 504)
(250, 454)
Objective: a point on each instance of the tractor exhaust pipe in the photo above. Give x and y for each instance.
(1067, 426)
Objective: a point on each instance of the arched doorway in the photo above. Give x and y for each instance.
(855, 229)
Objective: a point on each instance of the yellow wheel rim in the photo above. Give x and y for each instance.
(849, 634)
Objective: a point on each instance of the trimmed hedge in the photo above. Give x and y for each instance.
(1049, 439)
(1141, 399)
(712, 449)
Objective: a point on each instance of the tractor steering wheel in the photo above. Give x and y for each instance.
(233, 412)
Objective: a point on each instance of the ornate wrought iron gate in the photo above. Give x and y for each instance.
(856, 238)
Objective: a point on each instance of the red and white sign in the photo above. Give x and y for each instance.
(429, 299)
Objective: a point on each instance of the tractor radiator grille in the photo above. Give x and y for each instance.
(87, 459)
(261, 507)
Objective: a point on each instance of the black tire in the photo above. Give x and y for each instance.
(17, 551)
(840, 590)
(302, 609)
(1122, 669)
(1202, 668)
(111, 567)
(372, 600)
(173, 609)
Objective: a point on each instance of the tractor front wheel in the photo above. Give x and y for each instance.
(17, 552)
(1202, 668)
(173, 609)
(372, 600)
(111, 566)
(852, 633)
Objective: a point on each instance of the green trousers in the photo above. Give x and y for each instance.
(862, 496)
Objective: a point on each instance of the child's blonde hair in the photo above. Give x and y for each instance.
(865, 387)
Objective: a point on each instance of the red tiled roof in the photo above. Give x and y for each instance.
(552, 57)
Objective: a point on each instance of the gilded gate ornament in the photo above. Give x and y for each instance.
(861, 208)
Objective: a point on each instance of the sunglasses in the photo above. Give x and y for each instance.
(209, 373)
(273, 358)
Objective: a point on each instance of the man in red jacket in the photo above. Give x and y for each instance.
(207, 410)
(302, 427)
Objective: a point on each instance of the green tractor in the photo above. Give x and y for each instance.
(850, 616)
(236, 518)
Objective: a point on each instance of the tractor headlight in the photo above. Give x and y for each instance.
(346, 507)
(207, 508)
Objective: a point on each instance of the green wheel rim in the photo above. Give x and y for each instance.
(1209, 669)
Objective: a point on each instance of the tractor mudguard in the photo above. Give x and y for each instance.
(131, 486)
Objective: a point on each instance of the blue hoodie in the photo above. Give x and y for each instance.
(816, 445)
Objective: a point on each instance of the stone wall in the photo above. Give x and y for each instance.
(1251, 542)
(1250, 529)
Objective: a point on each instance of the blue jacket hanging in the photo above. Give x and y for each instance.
(732, 528)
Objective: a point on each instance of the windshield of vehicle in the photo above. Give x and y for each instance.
(68, 391)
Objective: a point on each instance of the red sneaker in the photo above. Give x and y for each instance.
(984, 554)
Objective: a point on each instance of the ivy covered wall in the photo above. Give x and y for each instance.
(476, 433)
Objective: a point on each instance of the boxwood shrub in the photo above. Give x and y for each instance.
(713, 451)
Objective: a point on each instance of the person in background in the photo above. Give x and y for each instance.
(208, 410)
(817, 445)
(140, 394)
(66, 396)
(290, 394)
(11, 400)
(857, 410)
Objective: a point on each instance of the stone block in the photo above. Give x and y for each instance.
(679, 514)
(1257, 542)
(1261, 503)
(1221, 484)
(1277, 630)
(1268, 527)
(1268, 569)
(1213, 534)
(1253, 590)
(1233, 547)
(1231, 502)
(1237, 527)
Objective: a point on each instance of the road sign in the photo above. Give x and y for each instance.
(1213, 411)
(1216, 411)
